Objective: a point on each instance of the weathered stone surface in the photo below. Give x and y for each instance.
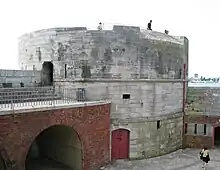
(146, 98)
(132, 52)
(148, 141)
(28, 77)
(203, 100)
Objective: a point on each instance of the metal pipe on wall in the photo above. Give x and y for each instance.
(184, 87)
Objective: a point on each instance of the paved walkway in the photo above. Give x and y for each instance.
(180, 160)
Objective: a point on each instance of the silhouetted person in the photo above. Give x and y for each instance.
(204, 156)
(149, 25)
(100, 26)
(166, 32)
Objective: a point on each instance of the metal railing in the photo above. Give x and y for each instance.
(26, 97)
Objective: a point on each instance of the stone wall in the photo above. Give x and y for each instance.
(123, 53)
(202, 109)
(203, 100)
(149, 101)
(91, 123)
(199, 138)
(28, 77)
(146, 140)
(146, 97)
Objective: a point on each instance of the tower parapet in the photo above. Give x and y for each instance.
(126, 52)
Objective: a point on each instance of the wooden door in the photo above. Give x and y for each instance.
(120, 144)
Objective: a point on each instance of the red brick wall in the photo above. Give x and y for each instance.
(92, 123)
(198, 141)
(193, 141)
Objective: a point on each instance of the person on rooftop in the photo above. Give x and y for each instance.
(149, 25)
(100, 26)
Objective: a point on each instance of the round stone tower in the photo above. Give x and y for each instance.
(142, 72)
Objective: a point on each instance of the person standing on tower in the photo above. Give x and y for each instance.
(149, 25)
(100, 26)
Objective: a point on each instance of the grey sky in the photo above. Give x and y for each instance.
(196, 19)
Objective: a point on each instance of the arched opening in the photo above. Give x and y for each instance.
(47, 74)
(57, 147)
(217, 137)
(120, 144)
(2, 164)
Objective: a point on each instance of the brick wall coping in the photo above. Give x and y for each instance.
(35, 108)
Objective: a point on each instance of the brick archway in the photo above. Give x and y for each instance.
(59, 143)
(21, 129)
(36, 130)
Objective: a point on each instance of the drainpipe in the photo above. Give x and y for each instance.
(184, 87)
(184, 102)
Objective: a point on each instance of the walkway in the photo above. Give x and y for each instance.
(180, 160)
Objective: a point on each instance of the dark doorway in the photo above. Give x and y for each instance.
(217, 137)
(2, 164)
(47, 74)
(57, 147)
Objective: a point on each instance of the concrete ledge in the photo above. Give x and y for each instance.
(197, 88)
(121, 80)
(30, 108)
(146, 119)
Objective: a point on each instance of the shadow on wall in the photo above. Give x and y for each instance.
(59, 147)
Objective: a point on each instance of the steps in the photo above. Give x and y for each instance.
(27, 94)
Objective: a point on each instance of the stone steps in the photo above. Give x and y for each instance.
(20, 95)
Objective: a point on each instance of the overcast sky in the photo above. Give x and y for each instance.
(196, 19)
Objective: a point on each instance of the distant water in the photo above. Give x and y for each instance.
(204, 84)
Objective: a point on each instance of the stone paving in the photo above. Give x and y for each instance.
(187, 159)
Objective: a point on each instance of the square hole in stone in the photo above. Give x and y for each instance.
(126, 96)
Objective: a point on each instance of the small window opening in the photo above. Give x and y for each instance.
(158, 124)
(126, 96)
(142, 104)
(38, 52)
(180, 73)
(21, 84)
(204, 129)
(65, 72)
(185, 128)
(195, 129)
